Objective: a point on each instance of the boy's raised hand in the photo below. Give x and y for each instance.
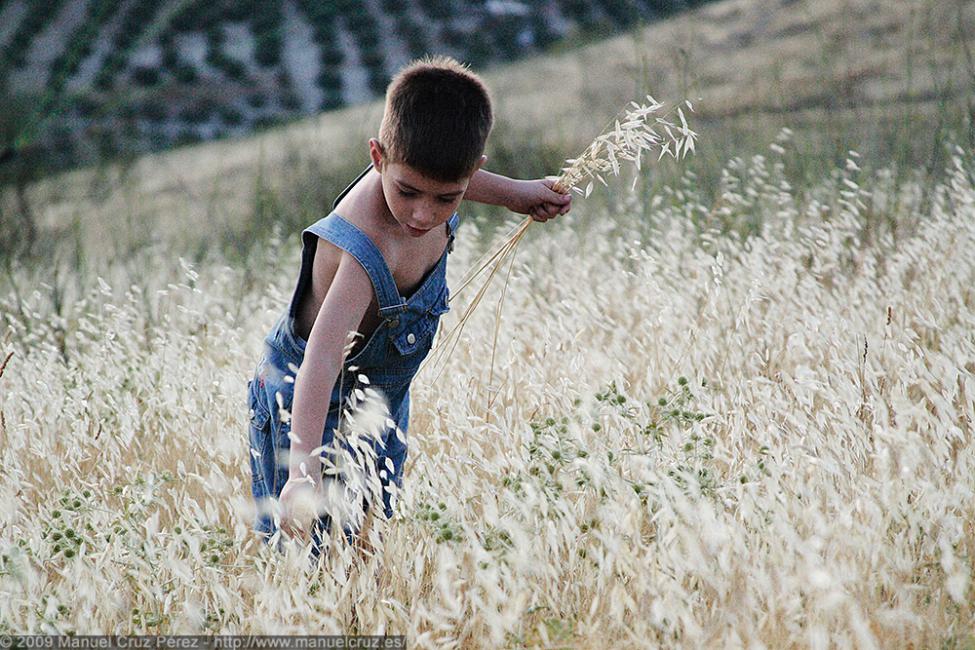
(538, 199)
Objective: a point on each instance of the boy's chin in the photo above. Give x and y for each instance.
(414, 232)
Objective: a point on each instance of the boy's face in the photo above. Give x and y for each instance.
(418, 203)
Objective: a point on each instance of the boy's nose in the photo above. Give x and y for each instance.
(424, 219)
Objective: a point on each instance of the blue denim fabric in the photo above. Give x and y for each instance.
(389, 359)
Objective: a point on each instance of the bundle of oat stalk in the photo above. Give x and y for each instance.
(639, 129)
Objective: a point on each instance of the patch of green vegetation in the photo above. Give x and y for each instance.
(436, 519)
(671, 424)
(559, 629)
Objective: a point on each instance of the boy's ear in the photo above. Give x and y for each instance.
(376, 153)
(480, 163)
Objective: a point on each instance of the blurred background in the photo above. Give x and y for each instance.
(206, 123)
(107, 77)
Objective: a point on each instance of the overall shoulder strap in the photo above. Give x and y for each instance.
(356, 243)
(452, 224)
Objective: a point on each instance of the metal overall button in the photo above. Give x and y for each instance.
(413, 334)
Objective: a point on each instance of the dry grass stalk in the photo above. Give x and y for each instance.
(3, 366)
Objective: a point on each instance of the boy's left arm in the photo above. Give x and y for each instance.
(532, 197)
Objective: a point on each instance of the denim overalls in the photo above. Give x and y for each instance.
(389, 360)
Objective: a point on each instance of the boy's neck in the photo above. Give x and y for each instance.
(386, 217)
(375, 201)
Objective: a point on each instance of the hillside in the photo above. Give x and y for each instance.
(747, 64)
(128, 76)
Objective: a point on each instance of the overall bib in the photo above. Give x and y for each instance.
(389, 360)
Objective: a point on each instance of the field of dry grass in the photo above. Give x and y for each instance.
(686, 439)
(728, 416)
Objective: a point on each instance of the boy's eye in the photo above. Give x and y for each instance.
(405, 193)
(443, 200)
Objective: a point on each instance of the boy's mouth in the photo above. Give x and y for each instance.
(416, 232)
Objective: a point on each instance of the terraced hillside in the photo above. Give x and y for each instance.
(853, 72)
(137, 75)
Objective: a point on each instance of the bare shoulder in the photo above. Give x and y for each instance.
(326, 262)
(351, 282)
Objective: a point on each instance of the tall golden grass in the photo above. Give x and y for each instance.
(690, 439)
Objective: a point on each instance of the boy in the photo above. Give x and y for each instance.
(375, 265)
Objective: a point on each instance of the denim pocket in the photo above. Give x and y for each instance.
(260, 448)
(416, 337)
(259, 413)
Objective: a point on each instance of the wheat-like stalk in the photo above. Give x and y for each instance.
(637, 130)
(636, 133)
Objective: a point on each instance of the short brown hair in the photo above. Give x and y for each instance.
(437, 118)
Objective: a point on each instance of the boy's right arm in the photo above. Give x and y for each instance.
(537, 198)
(345, 304)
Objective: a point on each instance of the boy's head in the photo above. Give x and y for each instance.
(436, 120)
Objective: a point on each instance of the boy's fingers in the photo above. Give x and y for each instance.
(543, 213)
(292, 531)
(554, 210)
(558, 197)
